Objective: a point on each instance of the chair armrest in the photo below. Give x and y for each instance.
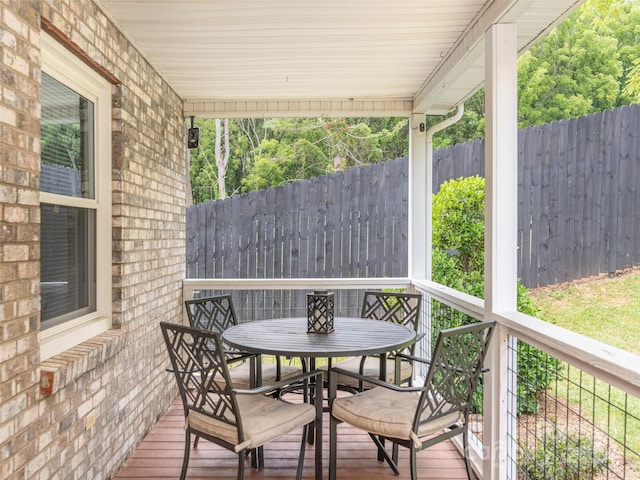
(233, 356)
(283, 383)
(412, 358)
(426, 361)
(374, 381)
(193, 371)
(391, 355)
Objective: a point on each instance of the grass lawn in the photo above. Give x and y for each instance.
(607, 309)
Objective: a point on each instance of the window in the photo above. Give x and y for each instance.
(75, 201)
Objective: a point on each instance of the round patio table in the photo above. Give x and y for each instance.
(288, 337)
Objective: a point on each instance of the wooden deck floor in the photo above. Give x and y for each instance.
(160, 457)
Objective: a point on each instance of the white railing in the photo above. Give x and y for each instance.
(608, 364)
(190, 285)
(285, 288)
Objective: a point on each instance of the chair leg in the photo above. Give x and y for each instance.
(465, 451)
(185, 458)
(257, 458)
(195, 442)
(240, 475)
(317, 391)
(380, 450)
(308, 394)
(333, 448)
(382, 453)
(302, 450)
(413, 463)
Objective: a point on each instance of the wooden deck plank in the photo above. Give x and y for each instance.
(160, 457)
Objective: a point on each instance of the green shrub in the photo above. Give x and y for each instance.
(458, 262)
(561, 456)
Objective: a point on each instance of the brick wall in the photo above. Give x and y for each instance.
(117, 379)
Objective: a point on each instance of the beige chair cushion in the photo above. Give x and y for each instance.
(371, 369)
(387, 412)
(240, 374)
(263, 419)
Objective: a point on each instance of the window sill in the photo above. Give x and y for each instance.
(67, 367)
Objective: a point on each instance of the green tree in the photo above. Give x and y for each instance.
(458, 262)
(574, 71)
(588, 63)
(271, 152)
(281, 162)
(632, 86)
(627, 31)
(245, 137)
(470, 126)
(346, 142)
(392, 135)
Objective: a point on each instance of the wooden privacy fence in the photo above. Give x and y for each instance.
(578, 207)
(578, 197)
(348, 224)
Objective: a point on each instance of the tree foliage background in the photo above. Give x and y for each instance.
(590, 62)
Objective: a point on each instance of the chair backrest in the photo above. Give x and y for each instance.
(454, 371)
(401, 308)
(215, 314)
(200, 369)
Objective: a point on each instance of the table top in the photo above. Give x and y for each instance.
(289, 337)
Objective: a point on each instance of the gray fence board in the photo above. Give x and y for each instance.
(525, 175)
(286, 220)
(278, 239)
(633, 138)
(572, 185)
(305, 218)
(357, 215)
(538, 240)
(559, 195)
(628, 150)
(292, 209)
(608, 197)
(594, 245)
(333, 230)
(239, 242)
(369, 242)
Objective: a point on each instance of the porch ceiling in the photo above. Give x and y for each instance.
(243, 57)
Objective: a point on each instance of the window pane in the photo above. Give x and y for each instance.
(67, 131)
(67, 263)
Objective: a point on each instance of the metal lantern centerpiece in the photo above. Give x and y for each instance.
(320, 312)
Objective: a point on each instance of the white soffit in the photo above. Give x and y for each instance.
(246, 58)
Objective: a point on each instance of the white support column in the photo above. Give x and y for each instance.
(501, 155)
(419, 200)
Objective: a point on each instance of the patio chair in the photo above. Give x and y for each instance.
(400, 308)
(216, 314)
(239, 420)
(418, 417)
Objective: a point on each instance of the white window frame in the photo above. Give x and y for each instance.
(61, 64)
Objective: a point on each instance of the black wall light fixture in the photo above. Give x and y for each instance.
(192, 136)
